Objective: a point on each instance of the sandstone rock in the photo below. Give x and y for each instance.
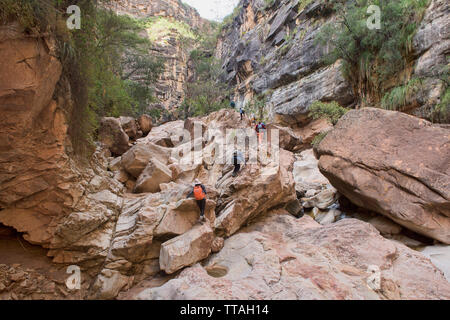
(396, 165)
(108, 285)
(128, 125)
(115, 164)
(153, 175)
(385, 226)
(170, 85)
(121, 176)
(186, 249)
(195, 128)
(440, 256)
(291, 103)
(307, 175)
(322, 200)
(168, 135)
(326, 217)
(281, 257)
(111, 134)
(217, 244)
(135, 160)
(145, 124)
(255, 191)
(288, 139)
(181, 217)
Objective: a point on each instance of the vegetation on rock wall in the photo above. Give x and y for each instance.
(205, 93)
(372, 58)
(332, 111)
(106, 62)
(158, 27)
(400, 97)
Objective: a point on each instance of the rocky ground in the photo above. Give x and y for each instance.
(272, 232)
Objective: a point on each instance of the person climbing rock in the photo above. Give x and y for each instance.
(253, 119)
(260, 127)
(238, 159)
(242, 112)
(232, 104)
(199, 193)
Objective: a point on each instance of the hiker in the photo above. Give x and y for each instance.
(253, 119)
(238, 159)
(232, 104)
(242, 112)
(260, 127)
(199, 193)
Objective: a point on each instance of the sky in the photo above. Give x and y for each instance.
(213, 9)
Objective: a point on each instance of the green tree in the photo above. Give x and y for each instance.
(372, 57)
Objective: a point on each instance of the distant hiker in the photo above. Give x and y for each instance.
(238, 159)
(232, 104)
(199, 193)
(242, 112)
(253, 119)
(260, 127)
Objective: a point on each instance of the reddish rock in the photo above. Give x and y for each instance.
(393, 164)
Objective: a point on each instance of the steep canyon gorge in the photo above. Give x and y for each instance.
(373, 193)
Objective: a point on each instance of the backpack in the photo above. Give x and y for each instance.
(260, 126)
(198, 193)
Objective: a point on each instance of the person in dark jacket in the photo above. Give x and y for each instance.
(242, 112)
(199, 193)
(238, 159)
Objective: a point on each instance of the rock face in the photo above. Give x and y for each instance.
(40, 184)
(153, 175)
(440, 256)
(112, 135)
(431, 44)
(145, 123)
(272, 51)
(393, 164)
(283, 258)
(167, 42)
(187, 249)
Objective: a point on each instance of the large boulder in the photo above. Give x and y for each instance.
(153, 175)
(135, 160)
(182, 216)
(128, 125)
(256, 190)
(168, 135)
(145, 123)
(281, 257)
(393, 164)
(288, 140)
(307, 175)
(186, 249)
(440, 256)
(111, 134)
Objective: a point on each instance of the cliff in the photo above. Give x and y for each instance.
(172, 28)
(272, 50)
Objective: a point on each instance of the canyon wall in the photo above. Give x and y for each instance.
(168, 42)
(272, 51)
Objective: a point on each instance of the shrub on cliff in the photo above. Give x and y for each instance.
(331, 111)
(372, 57)
(106, 62)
